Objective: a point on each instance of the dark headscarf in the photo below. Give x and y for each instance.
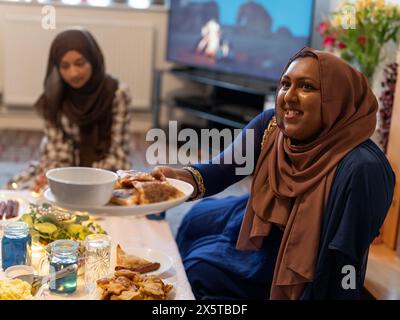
(291, 183)
(89, 107)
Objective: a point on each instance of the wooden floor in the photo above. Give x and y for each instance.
(383, 273)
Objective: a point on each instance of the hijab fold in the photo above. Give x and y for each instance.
(291, 183)
(89, 107)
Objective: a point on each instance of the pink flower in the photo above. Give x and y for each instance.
(323, 27)
(341, 45)
(328, 41)
(362, 40)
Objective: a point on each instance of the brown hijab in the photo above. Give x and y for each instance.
(89, 107)
(291, 183)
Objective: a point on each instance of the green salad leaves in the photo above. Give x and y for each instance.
(49, 223)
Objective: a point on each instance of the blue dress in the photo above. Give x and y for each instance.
(358, 203)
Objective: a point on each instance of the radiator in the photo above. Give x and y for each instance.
(128, 50)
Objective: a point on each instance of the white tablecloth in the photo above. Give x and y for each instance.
(141, 232)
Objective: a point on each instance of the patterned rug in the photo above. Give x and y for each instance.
(17, 148)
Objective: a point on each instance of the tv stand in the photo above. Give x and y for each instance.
(230, 100)
(228, 81)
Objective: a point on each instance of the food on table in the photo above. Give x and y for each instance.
(49, 223)
(9, 209)
(125, 197)
(133, 263)
(126, 177)
(15, 289)
(157, 191)
(133, 286)
(136, 188)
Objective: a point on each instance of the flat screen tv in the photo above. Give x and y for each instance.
(249, 38)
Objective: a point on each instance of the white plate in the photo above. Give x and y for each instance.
(151, 255)
(21, 197)
(143, 209)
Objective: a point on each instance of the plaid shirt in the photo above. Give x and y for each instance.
(57, 145)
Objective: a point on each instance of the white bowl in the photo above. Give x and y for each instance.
(81, 185)
(19, 270)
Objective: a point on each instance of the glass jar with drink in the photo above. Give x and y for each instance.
(62, 254)
(16, 244)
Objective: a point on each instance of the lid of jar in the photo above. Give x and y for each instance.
(64, 247)
(17, 229)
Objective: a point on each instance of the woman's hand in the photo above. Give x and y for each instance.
(163, 172)
(40, 183)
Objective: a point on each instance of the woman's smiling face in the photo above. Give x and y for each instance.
(299, 101)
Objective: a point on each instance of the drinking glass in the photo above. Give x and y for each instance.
(97, 259)
(61, 254)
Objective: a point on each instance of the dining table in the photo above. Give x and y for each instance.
(129, 232)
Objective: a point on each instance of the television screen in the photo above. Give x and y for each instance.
(252, 38)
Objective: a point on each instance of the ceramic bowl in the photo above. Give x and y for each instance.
(81, 185)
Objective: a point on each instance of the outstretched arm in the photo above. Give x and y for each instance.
(233, 164)
(238, 160)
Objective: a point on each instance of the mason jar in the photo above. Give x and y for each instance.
(62, 254)
(16, 244)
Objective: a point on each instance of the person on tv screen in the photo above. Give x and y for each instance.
(213, 43)
(85, 111)
(320, 192)
(210, 39)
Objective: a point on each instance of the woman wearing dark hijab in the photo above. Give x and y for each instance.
(320, 192)
(85, 111)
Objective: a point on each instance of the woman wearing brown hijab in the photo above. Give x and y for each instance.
(85, 111)
(320, 192)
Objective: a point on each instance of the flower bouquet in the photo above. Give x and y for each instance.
(359, 31)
